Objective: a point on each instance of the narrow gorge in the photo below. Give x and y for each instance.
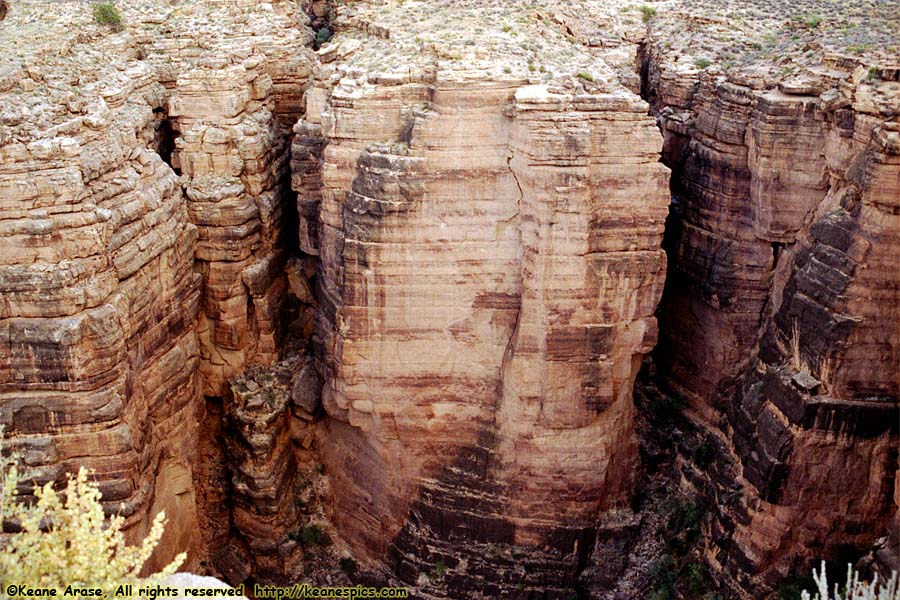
(510, 299)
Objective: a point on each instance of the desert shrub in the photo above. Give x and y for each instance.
(663, 577)
(586, 76)
(322, 37)
(106, 13)
(57, 542)
(647, 13)
(440, 569)
(313, 535)
(701, 63)
(812, 20)
(704, 455)
(694, 577)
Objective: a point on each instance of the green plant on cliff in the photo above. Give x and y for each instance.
(59, 542)
(313, 535)
(440, 569)
(812, 20)
(647, 13)
(322, 36)
(663, 576)
(106, 13)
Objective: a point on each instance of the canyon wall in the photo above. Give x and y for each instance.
(489, 282)
(143, 186)
(99, 304)
(780, 309)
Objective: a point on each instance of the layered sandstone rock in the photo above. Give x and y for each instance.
(269, 412)
(101, 291)
(490, 265)
(99, 305)
(235, 157)
(781, 305)
(479, 209)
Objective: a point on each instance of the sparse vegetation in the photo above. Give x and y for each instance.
(702, 63)
(647, 13)
(853, 588)
(682, 528)
(322, 37)
(313, 535)
(439, 570)
(704, 455)
(793, 587)
(106, 13)
(812, 20)
(586, 76)
(348, 566)
(694, 577)
(663, 575)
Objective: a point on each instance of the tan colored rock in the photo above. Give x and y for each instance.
(489, 275)
(99, 309)
(101, 297)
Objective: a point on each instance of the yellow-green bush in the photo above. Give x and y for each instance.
(106, 13)
(69, 542)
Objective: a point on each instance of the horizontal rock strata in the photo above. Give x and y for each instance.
(490, 265)
(111, 263)
(780, 307)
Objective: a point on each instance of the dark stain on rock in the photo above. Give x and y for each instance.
(459, 536)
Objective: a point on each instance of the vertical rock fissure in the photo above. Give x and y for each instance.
(510, 344)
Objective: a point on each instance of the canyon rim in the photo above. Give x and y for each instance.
(514, 299)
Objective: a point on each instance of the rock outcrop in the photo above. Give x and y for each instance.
(99, 306)
(446, 222)
(490, 266)
(780, 309)
(268, 413)
(112, 264)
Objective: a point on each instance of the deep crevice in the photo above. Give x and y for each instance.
(164, 137)
(321, 17)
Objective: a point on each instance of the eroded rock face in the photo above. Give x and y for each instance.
(110, 260)
(231, 149)
(780, 306)
(268, 412)
(99, 303)
(490, 265)
(479, 210)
